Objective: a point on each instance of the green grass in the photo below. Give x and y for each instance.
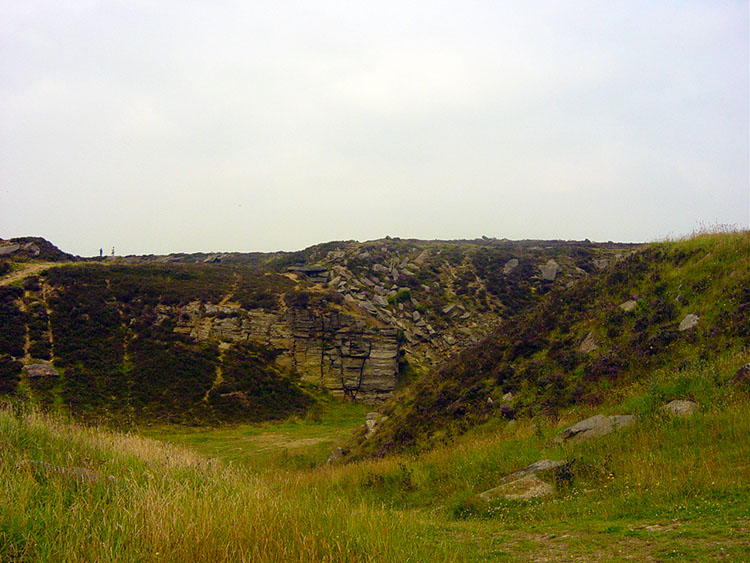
(295, 443)
(664, 489)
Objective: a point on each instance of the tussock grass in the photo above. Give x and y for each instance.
(686, 476)
(171, 504)
(662, 467)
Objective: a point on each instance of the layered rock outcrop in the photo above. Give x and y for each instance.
(343, 353)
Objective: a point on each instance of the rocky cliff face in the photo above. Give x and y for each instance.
(652, 310)
(445, 296)
(343, 353)
(346, 316)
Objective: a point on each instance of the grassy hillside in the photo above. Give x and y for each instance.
(583, 343)
(665, 489)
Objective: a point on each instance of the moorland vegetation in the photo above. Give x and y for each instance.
(616, 341)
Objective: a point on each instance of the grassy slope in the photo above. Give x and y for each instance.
(664, 489)
(170, 504)
(535, 355)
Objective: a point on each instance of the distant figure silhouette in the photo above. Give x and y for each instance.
(101, 252)
(113, 251)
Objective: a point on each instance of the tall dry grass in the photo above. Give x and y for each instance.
(169, 504)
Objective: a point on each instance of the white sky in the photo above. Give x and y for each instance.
(192, 126)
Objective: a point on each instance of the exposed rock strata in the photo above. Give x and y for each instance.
(338, 351)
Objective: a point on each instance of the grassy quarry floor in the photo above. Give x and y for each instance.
(645, 496)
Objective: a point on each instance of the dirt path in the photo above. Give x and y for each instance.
(29, 270)
(235, 287)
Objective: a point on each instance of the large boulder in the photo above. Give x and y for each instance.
(601, 264)
(597, 425)
(9, 249)
(549, 270)
(447, 310)
(336, 456)
(542, 468)
(367, 306)
(372, 420)
(528, 486)
(526, 483)
(510, 265)
(588, 344)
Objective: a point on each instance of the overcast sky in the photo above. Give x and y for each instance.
(168, 126)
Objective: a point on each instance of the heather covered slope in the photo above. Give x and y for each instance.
(661, 307)
(228, 337)
(114, 358)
